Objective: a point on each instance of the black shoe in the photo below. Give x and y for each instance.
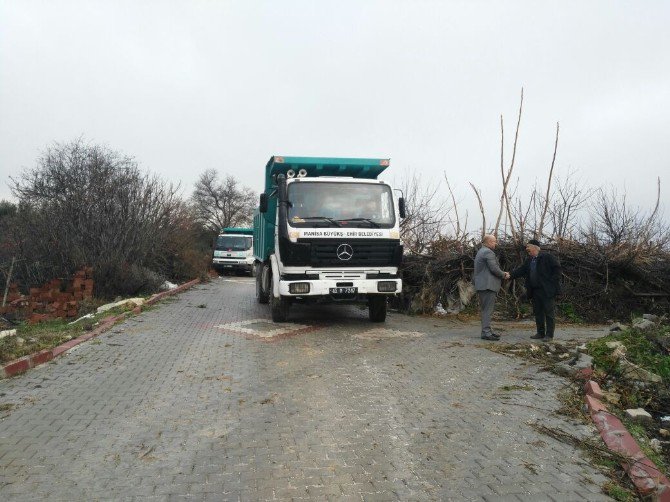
(548, 339)
(495, 335)
(491, 337)
(537, 336)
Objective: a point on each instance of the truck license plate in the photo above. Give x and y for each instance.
(343, 291)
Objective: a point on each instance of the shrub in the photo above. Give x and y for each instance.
(86, 205)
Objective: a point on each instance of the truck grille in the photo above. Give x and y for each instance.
(363, 253)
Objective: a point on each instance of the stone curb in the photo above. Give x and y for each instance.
(159, 296)
(647, 478)
(24, 363)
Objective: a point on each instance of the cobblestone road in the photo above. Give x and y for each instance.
(204, 398)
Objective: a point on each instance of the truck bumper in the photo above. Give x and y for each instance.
(325, 288)
(231, 264)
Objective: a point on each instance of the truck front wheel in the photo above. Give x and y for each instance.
(262, 294)
(279, 306)
(377, 308)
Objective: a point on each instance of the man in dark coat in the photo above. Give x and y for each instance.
(542, 273)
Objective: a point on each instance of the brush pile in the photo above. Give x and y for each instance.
(598, 282)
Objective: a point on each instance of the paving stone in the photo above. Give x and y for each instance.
(639, 415)
(501, 498)
(536, 498)
(568, 497)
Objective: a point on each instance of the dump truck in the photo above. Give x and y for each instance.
(327, 230)
(233, 250)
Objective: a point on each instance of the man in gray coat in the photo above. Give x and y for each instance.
(488, 277)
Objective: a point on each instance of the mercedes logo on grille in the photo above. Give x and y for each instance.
(344, 252)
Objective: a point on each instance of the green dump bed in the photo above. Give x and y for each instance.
(324, 166)
(237, 230)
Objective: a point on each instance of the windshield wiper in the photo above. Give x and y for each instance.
(367, 220)
(325, 218)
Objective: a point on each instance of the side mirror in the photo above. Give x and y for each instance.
(401, 207)
(263, 206)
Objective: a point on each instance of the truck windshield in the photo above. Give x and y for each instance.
(233, 242)
(330, 204)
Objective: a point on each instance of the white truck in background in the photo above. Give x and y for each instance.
(233, 250)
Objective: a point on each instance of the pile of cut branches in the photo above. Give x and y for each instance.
(599, 282)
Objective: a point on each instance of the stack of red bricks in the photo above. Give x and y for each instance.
(58, 299)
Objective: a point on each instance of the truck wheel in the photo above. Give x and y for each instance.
(262, 296)
(377, 308)
(279, 306)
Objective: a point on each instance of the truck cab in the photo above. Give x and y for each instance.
(327, 230)
(233, 250)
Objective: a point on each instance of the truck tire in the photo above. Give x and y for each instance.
(377, 308)
(279, 306)
(262, 295)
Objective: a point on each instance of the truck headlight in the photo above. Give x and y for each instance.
(298, 288)
(386, 286)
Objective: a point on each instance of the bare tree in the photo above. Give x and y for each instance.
(7, 241)
(478, 194)
(88, 205)
(652, 226)
(504, 196)
(616, 223)
(568, 198)
(613, 219)
(524, 215)
(540, 227)
(426, 214)
(460, 230)
(222, 203)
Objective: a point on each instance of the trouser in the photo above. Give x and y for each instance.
(487, 300)
(545, 313)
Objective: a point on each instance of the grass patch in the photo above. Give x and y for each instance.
(649, 350)
(643, 440)
(31, 338)
(618, 492)
(571, 398)
(644, 348)
(569, 313)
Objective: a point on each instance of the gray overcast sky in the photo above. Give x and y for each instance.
(186, 86)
